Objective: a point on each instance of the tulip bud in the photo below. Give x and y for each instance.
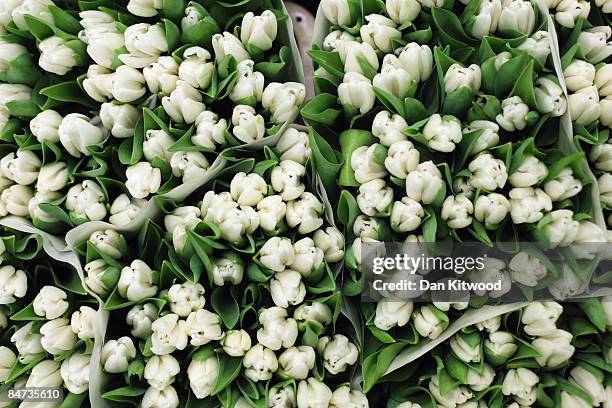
(99, 83)
(367, 163)
(15, 199)
(99, 277)
(499, 347)
(7, 359)
(128, 84)
(108, 242)
(356, 90)
(491, 208)
(210, 130)
(488, 173)
(50, 302)
(594, 44)
(260, 363)
(87, 200)
(601, 156)
(161, 370)
(554, 349)
(423, 184)
(184, 103)
(374, 197)
(457, 77)
(457, 211)
(153, 398)
(389, 128)
(236, 343)
(186, 298)
(169, 334)
(296, 362)
(142, 179)
(36, 213)
(285, 179)
(249, 85)
(333, 41)
(294, 145)
(430, 322)
(605, 117)
(227, 44)
(145, 43)
(573, 401)
(101, 36)
(403, 11)
(526, 269)
(452, 398)
(9, 52)
(379, 32)
(22, 167)
(584, 106)
(446, 306)
(283, 397)
(276, 329)
(140, 318)
(417, 60)
(392, 313)
(406, 215)
(316, 313)
(564, 186)
(196, 69)
(45, 374)
(331, 242)
(345, 397)
(136, 282)
(603, 80)
(13, 284)
(338, 353)
(338, 12)
(45, 125)
(569, 11)
(313, 393)
(271, 211)
(203, 327)
(157, 144)
(521, 384)
(27, 342)
(514, 114)
(517, 15)
(487, 139)
(480, 380)
(442, 132)
(75, 373)
(466, 347)
(178, 222)
(491, 325)
(76, 133)
(579, 74)
(528, 204)
(259, 31)
(57, 336)
(531, 172)
(144, 8)
(590, 379)
(248, 189)
(248, 126)
(83, 322)
(161, 76)
(203, 375)
(124, 210)
(57, 55)
(305, 213)
(486, 18)
(189, 165)
(562, 229)
(308, 257)
(283, 100)
(287, 288)
(549, 97)
(589, 234)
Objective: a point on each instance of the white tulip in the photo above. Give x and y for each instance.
(145, 43)
(144, 8)
(186, 298)
(45, 125)
(99, 83)
(283, 100)
(236, 343)
(605, 117)
(606, 7)
(494, 271)
(87, 200)
(569, 11)
(57, 336)
(331, 242)
(457, 77)
(403, 11)
(161, 76)
(594, 44)
(554, 349)
(161, 370)
(95, 277)
(260, 363)
(333, 41)
(83, 322)
(491, 325)
(526, 269)
(136, 281)
(584, 105)
(466, 350)
(603, 80)
(128, 84)
(500, 345)
(491, 208)
(487, 139)
(379, 32)
(179, 222)
(203, 327)
(579, 74)
(123, 210)
(520, 383)
(50, 302)
(101, 35)
(6, 9)
(417, 60)
(366, 162)
(248, 126)
(605, 188)
(356, 90)
(294, 145)
(427, 322)
(392, 313)
(108, 242)
(488, 173)
(15, 200)
(564, 186)
(13, 284)
(283, 397)
(196, 68)
(562, 229)
(374, 197)
(203, 375)
(573, 401)
(601, 156)
(154, 398)
(424, 183)
(446, 306)
(406, 215)
(75, 373)
(22, 167)
(589, 235)
(142, 179)
(184, 103)
(189, 165)
(457, 211)
(308, 257)
(169, 334)
(296, 362)
(276, 329)
(453, 398)
(365, 226)
(514, 112)
(338, 12)
(486, 18)
(408, 404)
(287, 288)
(259, 31)
(312, 393)
(338, 353)
(76, 132)
(249, 84)
(210, 130)
(480, 381)
(227, 44)
(120, 119)
(285, 179)
(27, 343)
(34, 8)
(157, 144)
(233, 222)
(56, 56)
(45, 374)
(531, 172)
(140, 318)
(393, 78)
(271, 211)
(443, 132)
(590, 382)
(517, 15)
(305, 213)
(7, 359)
(549, 97)
(248, 189)
(316, 312)
(389, 128)
(344, 397)
(228, 269)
